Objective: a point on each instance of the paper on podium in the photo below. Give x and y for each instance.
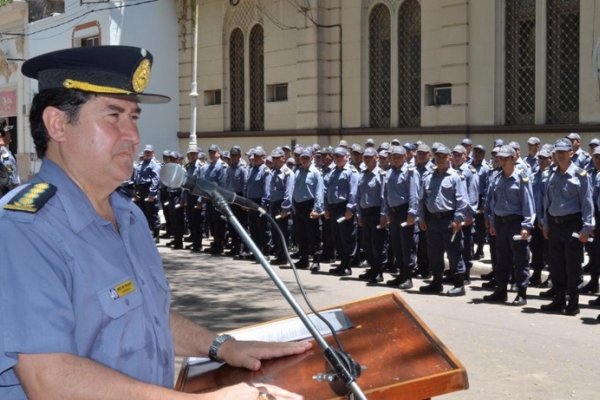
(285, 331)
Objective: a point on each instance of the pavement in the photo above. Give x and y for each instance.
(508, 352)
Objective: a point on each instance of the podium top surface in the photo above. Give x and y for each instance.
(400, 355)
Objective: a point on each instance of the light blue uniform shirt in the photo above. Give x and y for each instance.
(236, 177)
(342, 186)
(308, 185)
(371, 188)
(282, 187)
(513, 195)
(61, 286)
(403, 186)
(444, 193)
(148, 172)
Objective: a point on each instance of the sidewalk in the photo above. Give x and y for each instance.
(508, 352)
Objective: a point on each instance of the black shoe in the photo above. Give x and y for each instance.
(448, 279)
(279, 261)
(366, 275)
(521, 298)
(188, 239)
(456, 291)
(548, 294)
(302, 264)
(572, 307)
(395, 282)
(341, 271)
(177, 246)
(156, 240)
(491, 284)
(556, 306)
(488, 276)
(434, 287)
(233, 253)
(421, 274)
(595, 302)
(375, 279)
(590, 287)
(498, 296)
(536, 278)
(315, 267)
(407, 284)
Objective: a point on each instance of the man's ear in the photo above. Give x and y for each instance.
(55, 121)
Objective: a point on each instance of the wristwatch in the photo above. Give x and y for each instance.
(216, 345)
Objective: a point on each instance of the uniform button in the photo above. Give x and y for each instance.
(157, 321)
(143, 282)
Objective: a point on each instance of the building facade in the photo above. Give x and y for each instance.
(316, 71)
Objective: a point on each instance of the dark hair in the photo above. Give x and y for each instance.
(66, 100)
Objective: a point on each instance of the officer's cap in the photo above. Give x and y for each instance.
(596, 150)
(573, 136)
(225, 154)
(370, 152)
(340, 151)
(395, 142)
(215, 148)
(306, 153)
(409, 146)
(459, 148)
(544, 153)
(259, 151)
(384, 146)
(167, 153)
(343, 143)
(563, 145)
(316, 147)
(149, 147)
(498, 142)
(441, 149)
(250, 152)
(326, 150)
(466, 142)
(506, 151)
(175, 154)
(515, 145)
(423, 148)
(277, 152)
(435, 145)
(286, 147)
(235, 151)
(533, 140)
(479, 147)
(298, 150)
(6, 129)
(398, 150)
(369, 142)
(290, 161)
(495, 150)
(384, 153)
(122, 71)
(419, 142)
(192, 149)
(594, 142)
(357, 148)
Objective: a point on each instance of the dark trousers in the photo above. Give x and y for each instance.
(515, 253)
(480, 230)
(194, 220)
(401, 240)
(422, 258)
(216, 225)
(149, 208)
(566, 254)
(373, 238)
(327, 239)
(164, 201)
(307, 231)
(467, 234)
(258, 229)
(539, 249)
(439, 234)
(242, 217)
(177, 215)
(343, 233)
(282, 223)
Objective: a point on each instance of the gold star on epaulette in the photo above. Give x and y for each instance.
(32, 198)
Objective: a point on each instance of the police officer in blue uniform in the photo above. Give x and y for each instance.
(146, 181)
(214, 171)
(280, 203)
(7, 158)
(512, 212)
(533, 147)
(328, 245)
(402, 194)
(442, 210)
(236, 177)
(372, 214)
(483, 171)
(176, 209)
(257, 190)
(163, 194)
(423, 164)
(579, 157)
(193, 209)
(99, 323)
(307, 207)
(340, 208)
(539, 245)
(568, 210)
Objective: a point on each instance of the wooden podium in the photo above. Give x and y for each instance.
(402, 356)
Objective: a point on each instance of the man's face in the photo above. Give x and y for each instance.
(532, 149)
(339, 160)
(148, 155)
(357, 157)
(562, 157)
(305, 161)
(478, 155)
(101, 144)
(544, 162)
(7, 139)
(278, 162)
(384, 162)
(213, 155)
(370, 162)
(442, 160)
(596, 160)
(423, 157)
(2, 142)
(257, 161)
(235, 158)
(192, 157)
(398, 160)
(458, 158)
(505, 162)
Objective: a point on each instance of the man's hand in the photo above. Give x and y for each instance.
(248, 354)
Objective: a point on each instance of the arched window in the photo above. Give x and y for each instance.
(236, 79)
(520, 62)
(379, 67)
(562, 74)
(257, 81)
(409, 64)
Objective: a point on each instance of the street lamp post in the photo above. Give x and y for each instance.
(194, 85)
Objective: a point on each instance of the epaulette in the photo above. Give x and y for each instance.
(473, 170)
(353, 168)
(382, 171)
(31, 198)
(524, 178)
(410, 168)
(267, 170)
(287, 171)
(582, 172)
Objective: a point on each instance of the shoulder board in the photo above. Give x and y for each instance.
(524, 178)
(410, 168)
(353, 168)
(287, 171)
(382, 172)
(473, 169)
(267, 170)
(582, 172)
(32, 198)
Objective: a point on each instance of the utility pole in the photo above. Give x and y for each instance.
(194, 85)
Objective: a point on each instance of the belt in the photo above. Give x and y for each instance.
(371, 210)
(564, 218)
(508, 218)
(442, 215)
(337, 206)
(400, 208)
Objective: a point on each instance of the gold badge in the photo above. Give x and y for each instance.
(122, 289)
(141, 76)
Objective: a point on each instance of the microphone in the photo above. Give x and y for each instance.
(173, 175)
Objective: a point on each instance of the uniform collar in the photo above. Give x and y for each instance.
(78, 208)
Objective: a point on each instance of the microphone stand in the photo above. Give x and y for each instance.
(342, 364)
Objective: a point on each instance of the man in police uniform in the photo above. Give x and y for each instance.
(95, 321)
(579, 157)
(257, 190)
(511, 216)
(193, 208)
(280, 203)
(568, 210)
(236, 178)
(7, 158)
(340, 207)
(214, 171)
(146, 182)
(442, 210)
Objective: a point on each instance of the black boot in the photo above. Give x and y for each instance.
(434, 287)
(591, 286)
(536, 278)
(573, 304)
(498, 296)
(521, 298)
(557, 305)
(550, 293)
(459, 286)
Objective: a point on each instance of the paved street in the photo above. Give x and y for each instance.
(508, 352)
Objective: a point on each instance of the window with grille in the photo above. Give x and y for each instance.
(520, 62)
(257, 95)
(379, 67)
(236, 79)
(562, 75)
(409, 64)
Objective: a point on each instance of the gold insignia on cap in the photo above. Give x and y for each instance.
(141, 76)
